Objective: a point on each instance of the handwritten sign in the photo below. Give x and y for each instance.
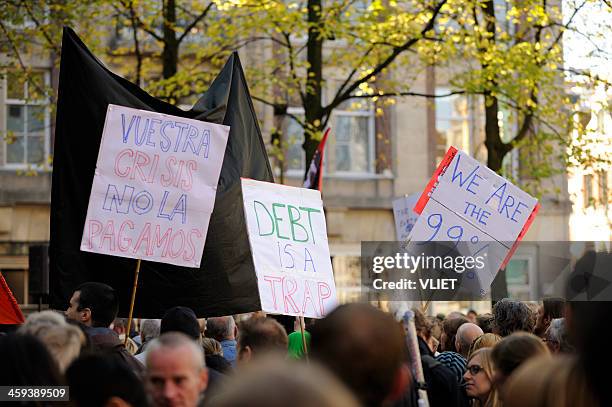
(467, 202)
(288, 238)
(154, 187)
(404, 215)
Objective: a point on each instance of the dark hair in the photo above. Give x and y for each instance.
(485, 322)
(553, 307)
(450, 326)
(515, 349)
(262, 335)
(219, 328)
(422, 324)
(363, 346)
(102, 301)
(27, 362)
(511, 316)
(95, 378)
(180, 319)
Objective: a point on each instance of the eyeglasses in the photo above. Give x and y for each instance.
(475, 369)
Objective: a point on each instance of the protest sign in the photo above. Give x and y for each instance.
(288, 237)
(404, 215)
(467, 202)
(154, 186)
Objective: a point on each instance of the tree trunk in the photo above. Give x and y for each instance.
(312, 104)
(170, 51)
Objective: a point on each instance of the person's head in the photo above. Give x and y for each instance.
(466, 334)
(278, 383)
(93, 304)
(212, 347)
(449, 329)
(550, 309)
(485, 322)
(175, 371)
(96, 380)
(514, 350)
(556, 337)
(181, 319)
(364, 347)
(472, 315)
(479, 378)
(62, 340)
(27, 362)
(512, 316)
(120, 325)
(221, 328)
(258, 336)
(484, 341)
(149, 330)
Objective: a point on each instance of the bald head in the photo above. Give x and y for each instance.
(465, 336)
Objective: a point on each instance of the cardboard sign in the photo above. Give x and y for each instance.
(154, 187)
(467, 202)
(404, 215)
(288, 238)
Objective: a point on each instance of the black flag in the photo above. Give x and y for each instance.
(226, 282)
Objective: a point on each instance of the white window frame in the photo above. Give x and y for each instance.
(371, 173)
(46, 131)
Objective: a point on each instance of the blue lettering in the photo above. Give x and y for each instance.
(165, 143)
(121, 205)
(126, 133)
(460, 174)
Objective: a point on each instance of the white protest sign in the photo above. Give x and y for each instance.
(404, 215)
(154, 186)
(467, 202)
(288, 238)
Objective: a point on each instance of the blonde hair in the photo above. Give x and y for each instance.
(484, 341)
(486, 362)
(212, 346)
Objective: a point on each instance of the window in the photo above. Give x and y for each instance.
(457, 123)
(350, 147)
(589, 198)
(26, 133)
(603, 188)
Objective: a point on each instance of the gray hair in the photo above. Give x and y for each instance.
(220, 328)
(175, 340)
(557, 332)
(149, 329)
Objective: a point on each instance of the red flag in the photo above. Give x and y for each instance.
(314, 176)
(9, 309)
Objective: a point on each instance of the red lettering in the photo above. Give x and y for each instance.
(273, 280)
(109, 233)
(121, 154)
(95, 227)
(140, 161)
(174, 254)
(145, 235)
(167, 180)
(159, 241)
(288, 295)
(324, 293)
(191, 245)
(120, 238)
(307, 296)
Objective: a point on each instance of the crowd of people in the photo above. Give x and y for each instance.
(517, 355)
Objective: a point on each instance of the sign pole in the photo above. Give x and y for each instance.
(129, 324)
(301, 320)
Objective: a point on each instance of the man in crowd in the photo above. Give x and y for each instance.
(511, 316)
(149, 330)
(259, 336)
(224, 330)
(175, 373)
(556, 337)
(465, 336)
(550, 309)
(95, 306)
(364, 347)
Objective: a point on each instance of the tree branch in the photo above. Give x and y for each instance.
(195, 22)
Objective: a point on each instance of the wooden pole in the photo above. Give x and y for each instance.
(301, 320)
(129, 324)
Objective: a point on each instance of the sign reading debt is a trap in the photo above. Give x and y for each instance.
(154, 186)
(288, 238)
(473, 214)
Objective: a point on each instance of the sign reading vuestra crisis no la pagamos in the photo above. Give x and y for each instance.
(154, 187)
(288, 237)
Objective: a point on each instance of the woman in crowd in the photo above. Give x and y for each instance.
(479, 379)
(487, 340)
